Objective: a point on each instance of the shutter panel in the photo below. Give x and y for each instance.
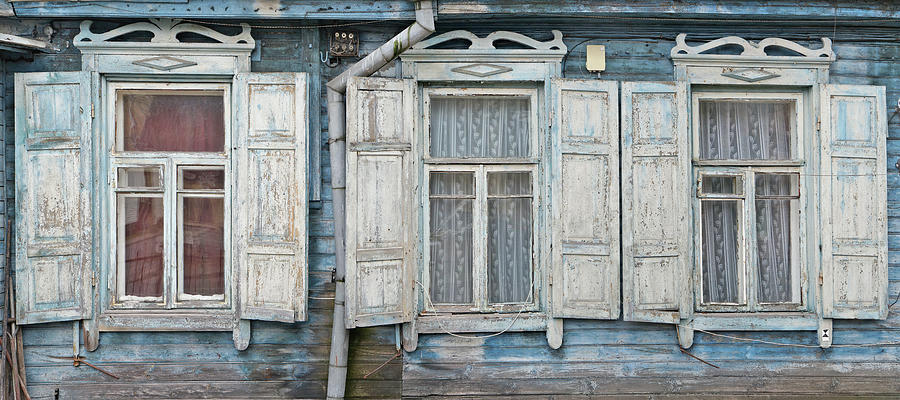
(53, 197)
(381, 217)
(853, 202)
(269, 192)
(585, 176)
(656, 194)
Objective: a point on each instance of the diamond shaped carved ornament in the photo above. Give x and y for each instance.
(481, 70)
(164, 63)
(750, 74)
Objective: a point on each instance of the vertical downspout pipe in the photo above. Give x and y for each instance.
(337, 112)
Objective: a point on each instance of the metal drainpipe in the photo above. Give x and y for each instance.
(424, 26)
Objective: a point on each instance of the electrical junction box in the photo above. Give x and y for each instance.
(596, 58)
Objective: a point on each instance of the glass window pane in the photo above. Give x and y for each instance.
(141, 233)
(773, 250)
(715, 184)
(139, 177)
(203, 227)
(509, 237)
(172, 120)
(720, 252)
(776, 203)
(777, 185)
(480, 127)
(746, 130)
(451, 239)
(197, 179)
(452, 183)
(509, 184)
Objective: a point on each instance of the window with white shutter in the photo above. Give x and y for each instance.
(780, 189)
(162, 188)
(495, 186)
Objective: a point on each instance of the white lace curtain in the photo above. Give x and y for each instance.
(479, 127)
(747, 131)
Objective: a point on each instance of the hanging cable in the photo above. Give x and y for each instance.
(511, 323)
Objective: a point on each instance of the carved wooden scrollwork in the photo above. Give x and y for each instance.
(752, 49)
(487, 42)
(164, 30)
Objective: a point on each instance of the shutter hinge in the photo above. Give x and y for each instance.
(821, 279)
(92, 110)
(818, 123)
(93, 278)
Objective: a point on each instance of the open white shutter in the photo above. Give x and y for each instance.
(269, 192)
(53, 190)
(853, 202)
(585, 196)
(381, 216)
(656, 232)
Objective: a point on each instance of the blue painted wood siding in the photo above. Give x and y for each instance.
(283, 360)
(291, 360)
(621, 358)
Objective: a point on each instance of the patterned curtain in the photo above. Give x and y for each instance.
(741, 130)
(748, 131)
(452, 198)
(479, 127)
(773, 236)
(509, 237)
(720, 251)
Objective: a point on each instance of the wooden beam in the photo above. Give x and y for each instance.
(222, 9)
(17, 42)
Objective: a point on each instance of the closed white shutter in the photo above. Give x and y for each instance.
(381, 216)
(853, 202)
(269, 191)
(585, 196)
(656, 221)
(53, 191)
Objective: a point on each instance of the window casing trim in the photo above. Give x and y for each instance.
(146, 311)
(797, 83)
(804, 156)
(479, 234)
(482, 166)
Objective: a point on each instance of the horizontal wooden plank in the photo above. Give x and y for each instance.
(139, 353)
(676, 368)
(296, 389)
(228, 9)
(623, 385)
(650, 352)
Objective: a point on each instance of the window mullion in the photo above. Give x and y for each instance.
(170, 214)
(752, 258)
(481, 247)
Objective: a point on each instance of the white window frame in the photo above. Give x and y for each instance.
(480, 167)
(746, 170)
(170, 164)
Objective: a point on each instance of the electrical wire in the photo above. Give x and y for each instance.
(511, 323)
(743, 339)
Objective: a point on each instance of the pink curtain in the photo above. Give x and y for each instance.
(204, 246)
(143, 246)
(173, 123)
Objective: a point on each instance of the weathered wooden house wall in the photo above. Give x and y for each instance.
(617, 357)
(597, 357)
(283, 360)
